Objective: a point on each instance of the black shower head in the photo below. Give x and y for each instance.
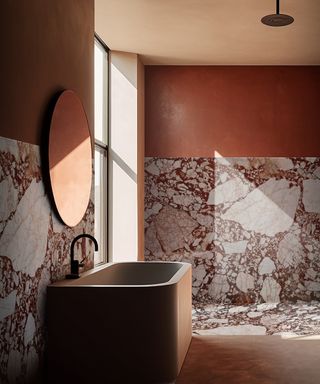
(277, 19)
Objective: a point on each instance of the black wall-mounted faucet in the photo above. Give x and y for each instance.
(75, 263)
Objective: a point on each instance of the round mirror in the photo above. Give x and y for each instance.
(70, 158)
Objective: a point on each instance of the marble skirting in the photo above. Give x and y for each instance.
(299, 319)
(250, 227)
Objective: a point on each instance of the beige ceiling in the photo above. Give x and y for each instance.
(221, 32)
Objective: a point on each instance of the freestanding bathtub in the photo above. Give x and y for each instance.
(120, 323)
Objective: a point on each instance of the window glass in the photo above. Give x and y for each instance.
(98, 92)
(99, 204)
(101, 149)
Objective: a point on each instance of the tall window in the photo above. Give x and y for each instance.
(101, 86)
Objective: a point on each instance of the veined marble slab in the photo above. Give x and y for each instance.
(268, 209)
(257, 218)
(286, 319)
(34, 251)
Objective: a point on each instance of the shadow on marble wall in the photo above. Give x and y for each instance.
(34, 251)
(249, 226)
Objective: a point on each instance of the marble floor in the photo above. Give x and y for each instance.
(299, 319)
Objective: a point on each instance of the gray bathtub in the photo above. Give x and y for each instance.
(120, 323)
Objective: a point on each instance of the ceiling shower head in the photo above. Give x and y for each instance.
(277, 19)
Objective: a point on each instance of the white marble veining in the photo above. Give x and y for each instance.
(266, 266)
(173, 228)
(235, 247)
(263, 319)
(290, 252)
(228, 192)
(240, 222)
(244, 281)
(270, 290)
(7, 305)
(311, 195)
(282, 163)
(10, 146)
(268, 209)
(235, 330)
(29, 329)
(313, 286)
(9, 198)
(24, 239)
(34, 251)
(317, 173)
(219, 286)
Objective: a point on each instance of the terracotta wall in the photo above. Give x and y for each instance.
(237, 111)
(46, 47)
(232, 179)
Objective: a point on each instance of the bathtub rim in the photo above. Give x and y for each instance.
(72, 283)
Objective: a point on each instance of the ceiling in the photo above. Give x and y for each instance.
(212, 32)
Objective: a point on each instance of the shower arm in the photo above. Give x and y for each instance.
(278, 7)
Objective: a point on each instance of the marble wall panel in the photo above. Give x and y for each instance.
(34, 251)
(249, 226)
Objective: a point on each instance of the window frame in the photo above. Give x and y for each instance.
(103, 148)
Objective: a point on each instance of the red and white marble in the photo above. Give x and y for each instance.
(285, 319)
(249, 226)
(34, 251)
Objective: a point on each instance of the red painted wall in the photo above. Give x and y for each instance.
(237, 111)
(46, 46)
